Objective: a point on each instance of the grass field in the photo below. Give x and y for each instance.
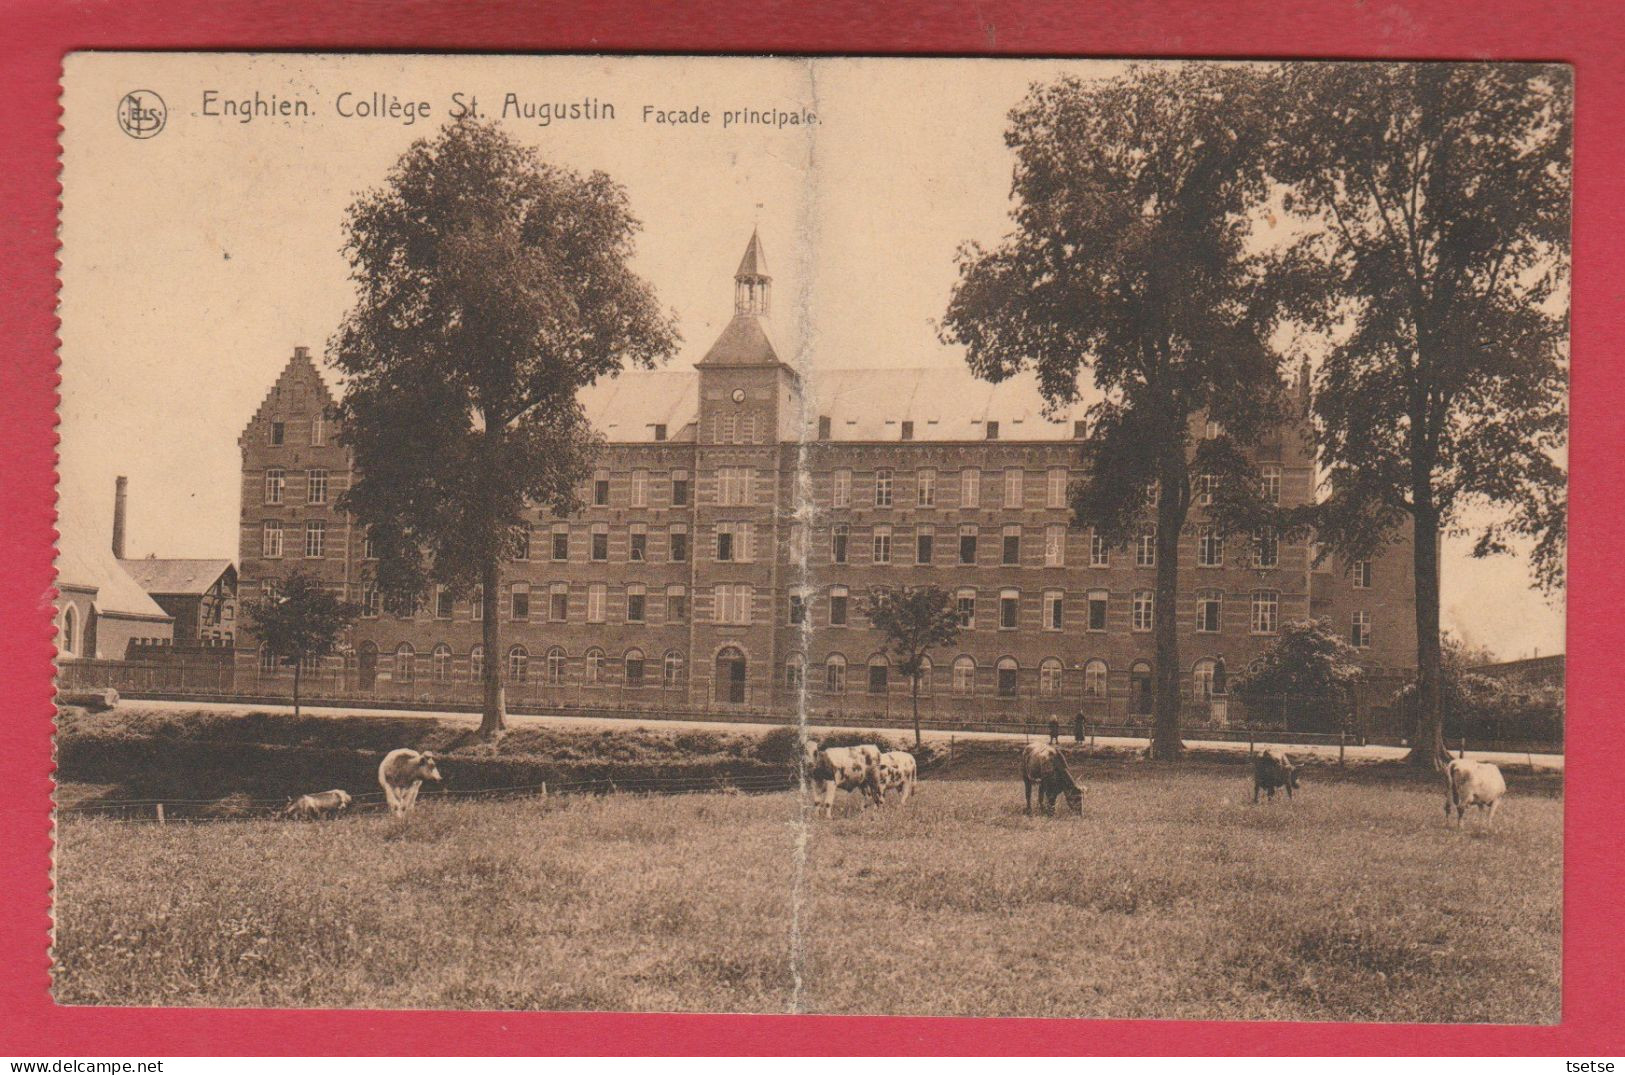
(1174, 897)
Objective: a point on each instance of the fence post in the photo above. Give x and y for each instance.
(160, 813)
(1342, 738)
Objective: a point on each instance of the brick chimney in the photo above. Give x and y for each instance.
(121, 490)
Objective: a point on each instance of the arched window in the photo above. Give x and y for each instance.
(671, 669)
(476, 663)
(879, 673)
(405, 663)
(518, 664)
(1094, 679)
(440, 668)
(1009, 671)
(555, 666)
(925, 675)
(795, 672)
(1202, 680)
(965, 675)
(1049, 676)
(593, 670)
(835, 674)
(70, 631)
(634, 667)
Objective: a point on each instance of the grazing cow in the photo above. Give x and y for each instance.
(897, 771)
(1045, 766)
(320, 805)
(1472, 783)
(843, 768)
(1273, 769)
(401, 774)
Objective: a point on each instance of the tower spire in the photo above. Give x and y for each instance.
(752, 284)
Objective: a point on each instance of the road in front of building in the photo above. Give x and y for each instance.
(1359, 753)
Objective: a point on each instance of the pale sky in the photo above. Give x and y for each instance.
(195, 260)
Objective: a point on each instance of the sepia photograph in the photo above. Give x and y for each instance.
(818, 535)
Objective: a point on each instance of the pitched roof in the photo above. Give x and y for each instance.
(85, 561)
(176, 576)
(754, 263)
(628, 407)
(743, 343)
(944, 403)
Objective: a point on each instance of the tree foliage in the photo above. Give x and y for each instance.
(1305, 674)
(491, 288)
(914, 620)
(301, 621)
(1130, 264)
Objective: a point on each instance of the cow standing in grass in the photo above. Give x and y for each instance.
(1472, 783)
(1045, 766)
(321, 804)
(401, 774)
(1273, 769)
(845, 769)
(898, 773)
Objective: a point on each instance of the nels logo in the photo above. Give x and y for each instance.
(141, 113)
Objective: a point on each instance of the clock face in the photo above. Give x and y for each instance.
(739, 395)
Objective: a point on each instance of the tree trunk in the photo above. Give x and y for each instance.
(298, 667)
(1166, 743)
(1427, 740)
(914, 696)
(494, 711)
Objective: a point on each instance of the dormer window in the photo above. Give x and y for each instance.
(823, 427)
(908, 430)
(1080, 429)
(660, 432)
(993, 431)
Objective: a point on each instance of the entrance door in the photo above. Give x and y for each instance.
(1140, 689)
(368, 666)
(731, 676)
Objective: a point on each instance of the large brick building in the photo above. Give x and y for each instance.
(738, 516)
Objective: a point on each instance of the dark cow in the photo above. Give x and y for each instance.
(1273, 769)
(1045, 766)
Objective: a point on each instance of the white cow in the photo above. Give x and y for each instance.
(401, 774)
(898, 772)
(1472, 783)
(845, 769)
(321, 804)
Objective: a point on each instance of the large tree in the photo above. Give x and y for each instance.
(300, 621)
(914, 620)
(491, 288)
(1434, 256)
(1130, 262)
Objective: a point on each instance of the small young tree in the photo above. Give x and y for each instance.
(914, 620)
(301, 621)
(492, 288)
(1307, 674)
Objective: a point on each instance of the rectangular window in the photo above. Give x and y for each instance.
(640, 488)
(637, 550)
(1209, 613)
(318, 431)
(597, 602)
(1054, 610)
(279, 433)
(733, 542)
(600, 489)
(838, 542)
(600, 541)
(660, 431)
(1362, 574)
(369, 551)
(823, 427)
(519, 606)
(1266, 612)
(967, 545)
(1204, 489)
(797, 544)
(1100, 554)
(271, 543)
(1010, 548)
(924, 545)
(965, 604)
(1055, 488)
(1009, 609)
(1270, 483)
(1143, 610)
(970, 488)
(315, 538)
(275, 482)
(1267, 549)
(679, 488)
(476, 604)
(993, 431)
(1145, 551)
(883, 488)
(798, 609)
(1097, 609)
(841, 492)
(1360, 630)
(1209, 549)
(1054, 546)
(676, 604)
(732, 603)
(882, 545)
(442, 603)
(523, 552)
(561, 542)
(369, 602)
(679, 544)
(837, 606)
(1012, 488)
(733, 486)
(636, 598)
(908, 430)
(558, 602)
(316, 487)
(925, 489)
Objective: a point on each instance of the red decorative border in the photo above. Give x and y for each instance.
(1586, 34)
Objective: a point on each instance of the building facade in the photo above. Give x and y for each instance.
(738, 518)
